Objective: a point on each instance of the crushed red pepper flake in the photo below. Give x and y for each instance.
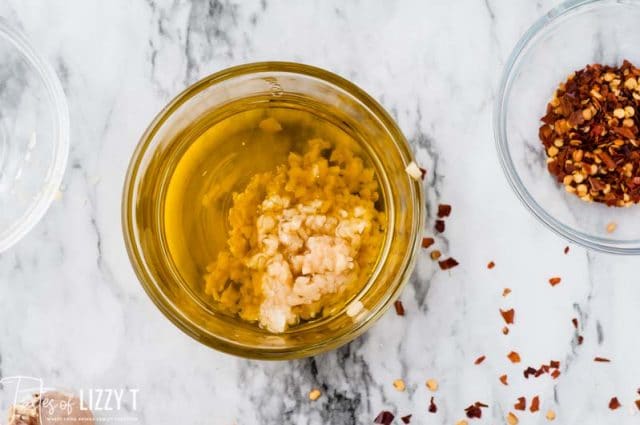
(551, 415)
(535, 404)
(555, 374)
(447, 264)
(590, 134)
(514, 357)
(638, 404)
(554, 281)
(439, 226)
(399, 308)
(475, 410)
(435, 254)
(575, 322)
(614, 403)
(432, 406)
(554, 364)
(406, 419)
(504, 379)
(566, 250)
(521, 404)
(491, 265)
(384, 418)
(423, 172)
(506, 291)
(444, 210)
(427, 242)
(479, 360)
(505, 330)
(601, 360)
(530, 371)
(508, 315)
(580, 339)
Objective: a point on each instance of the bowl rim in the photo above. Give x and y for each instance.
(60, 111)
(167, 307)
(586, 240)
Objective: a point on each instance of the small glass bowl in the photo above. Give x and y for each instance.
(300, 86)
(34, 136)
(576, 33)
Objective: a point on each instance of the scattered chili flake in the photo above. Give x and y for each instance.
(435, 254)
(521, 404)
(638, 404)
(551, 415)
(399, 308)
(529, 371)
(447, 264)
(601, 360)
(512, 419)
(538, 372)
(514, 357)
(614, 403)
(503, 379)
(439, 226)
(575, 322)
(432, 384)
(384, 418)
(506, 291)
(554, 281)
(479, 360)
(444, 210)
(473, 411)
(491, 265)
(427, 242)
(314, 394)
(399, 385)
(505, 330)
(423, 172)
(580, 339)
(554, 364)
(432, 406)
(566, 250)
(406, 419)
(535, 404)
(555, 374)
(508, 315)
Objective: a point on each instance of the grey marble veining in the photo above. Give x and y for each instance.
(73, 313)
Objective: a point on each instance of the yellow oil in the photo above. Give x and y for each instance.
(219, 158)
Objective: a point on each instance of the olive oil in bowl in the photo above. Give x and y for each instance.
(249, 131)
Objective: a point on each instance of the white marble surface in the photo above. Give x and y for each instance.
(73, 313)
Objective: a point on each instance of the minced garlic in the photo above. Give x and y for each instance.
(302, 238)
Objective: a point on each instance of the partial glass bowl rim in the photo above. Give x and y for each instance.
(60, 113)
(500, 110)
(168, 308)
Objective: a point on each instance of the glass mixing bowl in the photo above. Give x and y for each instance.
(567, 38)
(273, 83)
(34, 136)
